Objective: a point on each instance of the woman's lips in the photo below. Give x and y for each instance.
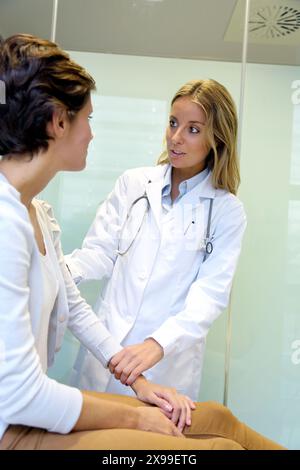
(177, 154)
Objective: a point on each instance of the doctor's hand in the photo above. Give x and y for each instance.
(178, 408)
(133, 360)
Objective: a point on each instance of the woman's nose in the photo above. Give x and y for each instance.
(177, 137)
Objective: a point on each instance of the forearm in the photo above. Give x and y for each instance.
(138, 383)
(99, 413)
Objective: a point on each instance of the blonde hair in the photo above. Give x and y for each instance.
(221, 131)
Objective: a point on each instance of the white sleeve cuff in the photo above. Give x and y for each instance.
(73, 269)
(107, 350)
(73, 405)
(103, 350)
(164, 340)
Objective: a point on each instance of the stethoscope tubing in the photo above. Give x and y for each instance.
(208, 244)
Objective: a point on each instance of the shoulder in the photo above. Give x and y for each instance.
(11, 206)
(229, 205)
(15, 226)
(144, 174)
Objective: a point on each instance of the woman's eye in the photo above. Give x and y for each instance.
(194, 130)
(90, 117)
(172, 123)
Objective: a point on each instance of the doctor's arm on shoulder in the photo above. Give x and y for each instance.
(208, 296)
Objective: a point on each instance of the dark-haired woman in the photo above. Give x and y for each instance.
(45, 129)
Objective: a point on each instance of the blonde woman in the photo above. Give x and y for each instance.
(168, 240)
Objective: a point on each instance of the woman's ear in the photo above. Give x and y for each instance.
(59, 123)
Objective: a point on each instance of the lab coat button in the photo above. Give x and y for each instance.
(62, 318)
(143, 276)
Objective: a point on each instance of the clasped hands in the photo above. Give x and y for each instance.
(128, 365)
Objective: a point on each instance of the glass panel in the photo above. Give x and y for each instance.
(264, 376)
(140, 53)
(26, 16)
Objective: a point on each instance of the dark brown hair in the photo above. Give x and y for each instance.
(38, 78)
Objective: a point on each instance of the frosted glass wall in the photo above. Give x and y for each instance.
(130, 114)
(265, 367)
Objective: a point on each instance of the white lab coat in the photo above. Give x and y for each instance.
(161, 287)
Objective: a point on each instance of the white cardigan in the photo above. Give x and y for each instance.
(27, 395)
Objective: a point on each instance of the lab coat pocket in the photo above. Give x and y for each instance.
(194, 239)
(194, 228)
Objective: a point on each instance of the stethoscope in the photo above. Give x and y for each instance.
(207, 240)
(140, 198)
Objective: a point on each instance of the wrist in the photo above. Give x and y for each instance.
(140, 420)
(135, 419)
(139, 383)
(156, 344)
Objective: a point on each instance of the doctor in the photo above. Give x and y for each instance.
(167, 239)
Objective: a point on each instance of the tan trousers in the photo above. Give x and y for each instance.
(213, 427)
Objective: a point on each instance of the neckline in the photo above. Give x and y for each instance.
(40, 224)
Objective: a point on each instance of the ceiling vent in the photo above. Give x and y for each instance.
(270, 22)
(274, 21)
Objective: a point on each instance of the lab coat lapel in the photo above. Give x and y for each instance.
(153, 190)
(194, 205)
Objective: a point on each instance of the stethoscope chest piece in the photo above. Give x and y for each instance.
(209, 248)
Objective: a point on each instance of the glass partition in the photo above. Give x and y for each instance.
(26, 16)
(137, 55)
(264, 387)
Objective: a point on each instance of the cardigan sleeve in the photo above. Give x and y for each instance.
(82, 320)
(27, 395)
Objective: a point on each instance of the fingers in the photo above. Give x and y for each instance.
(185, 416)
(177, 413)
(173, 430)
(168, 414)
(127, 371)
(135, 374)
(177, 432)
(124, 368)
(115, 360)
(174, 399)
(191, 403)
(187, 405)
(164, 406)
(182, 406)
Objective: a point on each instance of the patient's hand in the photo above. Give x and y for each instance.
(133, 360)
(178, 408)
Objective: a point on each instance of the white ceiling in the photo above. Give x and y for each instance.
(191, 29)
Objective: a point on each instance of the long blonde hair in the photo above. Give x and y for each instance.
(221, 131)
